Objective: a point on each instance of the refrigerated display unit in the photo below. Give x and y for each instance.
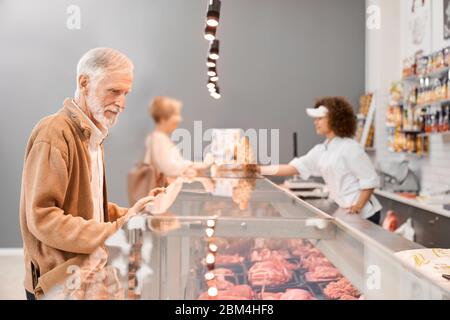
(247, 238)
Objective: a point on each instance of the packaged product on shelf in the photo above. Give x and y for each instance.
(447, 56)
(422, 63)
(425, 145)
(410, 143)
(445, 118)
(444, 84)
(436, 90)
(428, 91)
(428, 120)
(390, 115)
(419, 145)
(437, 121)
(412, 95)
(447, 84)
(398, 116)
(396, 93)
(422, 120)
(420, 92)
(409, 67)
(438, 61)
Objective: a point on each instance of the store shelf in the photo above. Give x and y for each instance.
(416, 155)
(414, 203)
(429, 134)
(410, 78)
(423, 105)
(435, 74)
(429, 75)
(411, 131)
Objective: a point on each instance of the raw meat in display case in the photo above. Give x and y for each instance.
(342, 290)
(322, 274)
(223, 272)
(270, 272)
(229, 259)
(264, 254)
(274, 270)
(311, 262)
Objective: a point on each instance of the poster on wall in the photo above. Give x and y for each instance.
(446, 16)
(419, 34)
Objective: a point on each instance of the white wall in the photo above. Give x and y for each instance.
(383, 53)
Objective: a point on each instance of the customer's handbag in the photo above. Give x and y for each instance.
(144, 177)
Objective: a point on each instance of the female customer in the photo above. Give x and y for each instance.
(339, 160)
(161, 152)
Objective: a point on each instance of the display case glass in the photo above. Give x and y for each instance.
(246, 238)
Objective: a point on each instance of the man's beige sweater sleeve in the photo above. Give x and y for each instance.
(46, 181)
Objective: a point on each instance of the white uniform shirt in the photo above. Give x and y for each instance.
(96, 155)
(164, 155)
(346, 169)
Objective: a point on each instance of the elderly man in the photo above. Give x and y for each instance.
(64, 212)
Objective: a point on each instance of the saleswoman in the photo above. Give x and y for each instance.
(340, 160)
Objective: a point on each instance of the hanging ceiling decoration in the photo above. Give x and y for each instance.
(212, 22)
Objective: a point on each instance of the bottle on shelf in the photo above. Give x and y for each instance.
(444, 123)
(438, 61)
(428, 120)
(436, 122)
(447, 81)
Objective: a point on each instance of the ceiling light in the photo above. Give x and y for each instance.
(216, 94)
(212, 72)
(213, 14)
(210, 33)
(214, 50)
(210, 63)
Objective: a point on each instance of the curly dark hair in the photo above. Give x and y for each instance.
(341, 117)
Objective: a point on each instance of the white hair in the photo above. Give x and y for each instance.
(98, 61)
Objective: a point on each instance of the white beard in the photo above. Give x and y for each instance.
(98, 111)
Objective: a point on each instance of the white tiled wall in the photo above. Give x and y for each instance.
(436, 167)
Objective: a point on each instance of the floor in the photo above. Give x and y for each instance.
(11, 274)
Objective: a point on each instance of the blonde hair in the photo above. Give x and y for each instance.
(163, 108)
(98, 61)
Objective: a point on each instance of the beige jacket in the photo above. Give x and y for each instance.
(56, 209)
